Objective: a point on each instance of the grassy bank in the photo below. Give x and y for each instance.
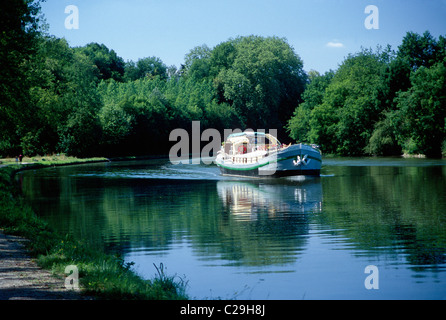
(52, 160)
(101, 275)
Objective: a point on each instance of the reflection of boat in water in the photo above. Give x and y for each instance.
(260, 154)
(266, 222)
(248, 199)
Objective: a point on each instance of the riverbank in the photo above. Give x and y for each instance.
(101, 276)
(21, 278)
(46, 161)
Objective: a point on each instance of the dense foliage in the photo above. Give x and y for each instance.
(87, 100)
(381, 103)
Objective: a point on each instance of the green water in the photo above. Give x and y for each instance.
(261, 239)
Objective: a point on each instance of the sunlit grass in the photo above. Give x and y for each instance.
(49, 160)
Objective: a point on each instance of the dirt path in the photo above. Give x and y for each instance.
(22, 279)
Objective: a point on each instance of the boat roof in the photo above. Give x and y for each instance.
(243, 135)
(247, 133)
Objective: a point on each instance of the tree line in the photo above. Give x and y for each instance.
(381, 102)
(87, 100)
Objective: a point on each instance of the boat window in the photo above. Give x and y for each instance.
(228, 147)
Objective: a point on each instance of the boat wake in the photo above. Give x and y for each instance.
(165, 170)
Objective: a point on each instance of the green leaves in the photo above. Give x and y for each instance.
(150, 67)
(108, 63)
(261, 78)
(85, 100)
(19, 30)
(340, 108)
(379, 102)
(421, 111)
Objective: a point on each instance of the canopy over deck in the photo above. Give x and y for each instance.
(248, 136)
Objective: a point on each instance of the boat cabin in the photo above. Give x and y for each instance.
(249, 146)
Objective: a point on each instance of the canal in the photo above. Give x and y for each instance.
(368, 228)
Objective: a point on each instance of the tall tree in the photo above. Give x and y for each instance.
(342, 115)
(145, 68)
(420, 117)
(80, 134)
(263, 80)
(415, 98)
(419, 50)
(19, 30)
(64, 100)
(109, 64)
(299, 124)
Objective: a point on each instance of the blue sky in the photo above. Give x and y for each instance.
(322, 32)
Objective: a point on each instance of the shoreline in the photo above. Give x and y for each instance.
(27, 242)
(21, 278)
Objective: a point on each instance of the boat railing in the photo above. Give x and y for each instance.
(246, 158)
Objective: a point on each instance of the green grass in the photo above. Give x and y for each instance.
(51, 160)
(101, 275)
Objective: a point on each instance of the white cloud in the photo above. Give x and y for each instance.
(335, 44)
